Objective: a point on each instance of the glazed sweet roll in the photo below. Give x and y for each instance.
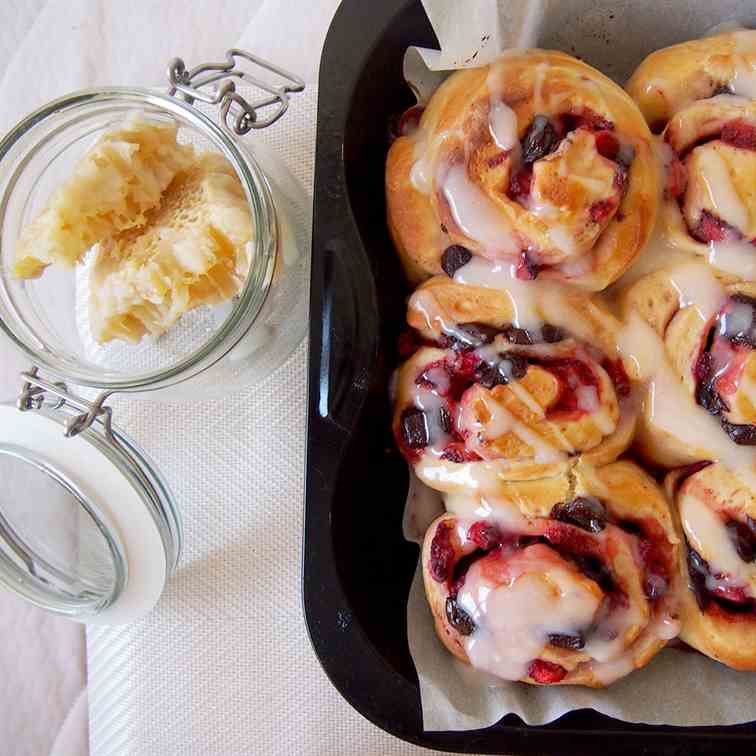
(670, 79)
(709, 206)
(569, 580)
(501, 386)
(701, 403)
(536, 162)
(717, 520)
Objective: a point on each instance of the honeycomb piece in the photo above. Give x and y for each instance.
(113, 185)
(192, 250)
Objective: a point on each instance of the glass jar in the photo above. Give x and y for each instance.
(102, 533)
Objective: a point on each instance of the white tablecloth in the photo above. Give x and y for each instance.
(223, 666)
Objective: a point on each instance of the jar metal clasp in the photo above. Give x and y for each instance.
(37, 393)
(238, 115)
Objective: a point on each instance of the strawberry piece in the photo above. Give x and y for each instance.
(607, 144)
(545, 672)
(713, 229)
(441, 553)
(484, 535)
(739, 133)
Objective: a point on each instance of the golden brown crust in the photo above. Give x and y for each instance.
(724, 636)
(684, 334)
(671, 78)
(454, 130)
(697, 160)
(629, 494)
(440, 306)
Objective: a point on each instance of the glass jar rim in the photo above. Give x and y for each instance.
(262, 259)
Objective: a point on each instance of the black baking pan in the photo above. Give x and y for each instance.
(357, 566)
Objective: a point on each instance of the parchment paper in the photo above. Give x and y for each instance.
(678, 687)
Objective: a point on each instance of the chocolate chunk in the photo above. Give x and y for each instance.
(517, 365)
(551, 334)
(488, 376)
(721, 89)
(471, 335)
(519, 336)
(583, 512)
(742, 435)
(511, 367)
(414, 428)
(706, 394)
(572, 642)
(454, 258)
(540, 139)
(458, 618)
(698, 571)
(743, 537)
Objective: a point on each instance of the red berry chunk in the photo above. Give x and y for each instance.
(545, 672)
(601, 210)
(521, 182)
(713, 229)
(607, 144)
(572, 374)
(441, 553)
(484, 535)
(740, 133)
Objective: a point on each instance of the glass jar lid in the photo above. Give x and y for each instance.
(88, 528)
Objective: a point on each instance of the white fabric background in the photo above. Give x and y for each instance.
(224, 665)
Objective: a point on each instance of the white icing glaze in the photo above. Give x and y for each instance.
(696, 287)
(502, 122)
(431, 404)
(421, 173)
(436, 320)
(743, 83)
(735, 257)
(723, 195)
(477, 215)
(670, 406)
(738, 318)
(526, 296)
(706, 533)
(540, 75)
(514, 618)
(499, 422)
